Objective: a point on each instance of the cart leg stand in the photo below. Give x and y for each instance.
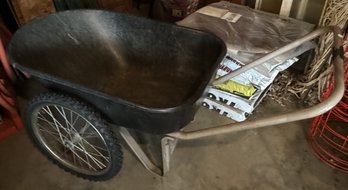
(144, 159)
(168, 145)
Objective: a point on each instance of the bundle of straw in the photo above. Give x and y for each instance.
(310, 86)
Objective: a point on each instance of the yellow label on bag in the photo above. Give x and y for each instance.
(235, 87)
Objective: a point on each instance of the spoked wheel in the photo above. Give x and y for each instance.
(73, 136)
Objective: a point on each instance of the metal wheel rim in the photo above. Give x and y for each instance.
(64, 126)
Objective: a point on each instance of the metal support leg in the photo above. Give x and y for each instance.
(168, 145)
(144, 159)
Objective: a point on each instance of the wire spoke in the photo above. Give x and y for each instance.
(84, 151)
(84, 128)
(49, 132)
(44, 119)
(105, 157)
(56, 122)
(89, 165)
(56, 138)
(94, 147)
(48, 111)
(97, 147)
(72, 120)
(74, 159)
(77, 117)
(96, 161)
(57, 149)
(89, 134)
(64, 152)
(54, 133)
(68, 125)
(79, 160)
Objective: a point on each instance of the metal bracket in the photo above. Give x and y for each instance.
(168, 146)
(144, 159)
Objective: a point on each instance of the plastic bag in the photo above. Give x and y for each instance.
(244, 29)
(248, 35)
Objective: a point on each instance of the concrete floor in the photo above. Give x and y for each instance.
(270, 158)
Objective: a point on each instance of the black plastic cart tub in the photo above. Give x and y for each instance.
(139, 73)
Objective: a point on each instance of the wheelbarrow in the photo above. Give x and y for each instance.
(90, 71)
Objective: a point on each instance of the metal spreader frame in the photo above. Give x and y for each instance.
(169, 141)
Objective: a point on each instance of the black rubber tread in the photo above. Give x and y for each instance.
(92, 116)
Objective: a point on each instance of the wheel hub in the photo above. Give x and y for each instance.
(72, 143)
(69, 144)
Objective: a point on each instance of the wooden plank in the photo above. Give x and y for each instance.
(258, 4)
(27, 10)
(116, 5)
(16, 12)
(285, 8)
